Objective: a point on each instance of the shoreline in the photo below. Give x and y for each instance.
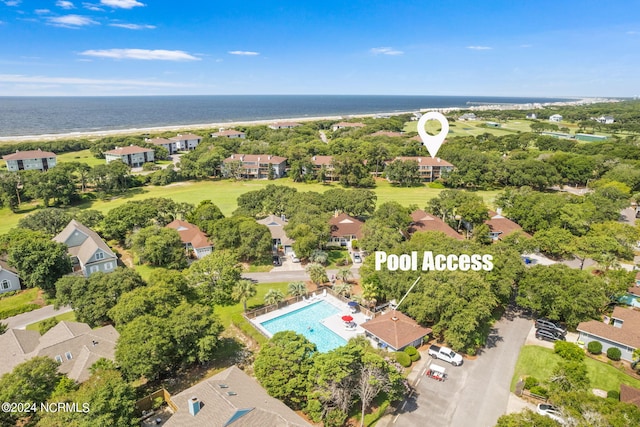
(93, 135)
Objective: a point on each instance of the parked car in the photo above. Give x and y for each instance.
(446, 354)
(276, 261)
(357, 258)
(549, 335)
(550, 325)
(294, 257)
(550, 411)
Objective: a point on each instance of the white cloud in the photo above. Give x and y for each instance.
(42, 11)
(243, 53)
(65, 4)
(93, 7)
(12, 2)
(479, 47)
(121, 4)
(134, 26)
(144, 54)
(19, 78)
(71, 21)
(385, 51)
(633, 33)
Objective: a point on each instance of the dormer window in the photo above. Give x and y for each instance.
(68, 355)
(99, 255)
(617, 323)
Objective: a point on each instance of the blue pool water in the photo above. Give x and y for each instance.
(306, 321)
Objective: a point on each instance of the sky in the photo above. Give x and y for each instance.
(480, 48)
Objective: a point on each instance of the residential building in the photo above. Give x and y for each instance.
(605, 120)
(284, 125)
(278, 235)
(423, 221)
(343, 125)
(257, 166)
(326, 163)
(555, 118)
(228, 133)
(30, 160)
(169, 145)
(388, 133)
(622, 333)
(9, 279)
(429, 168)
(186, 142)
(344, 229)
(75, 346)
(532, 116)
(89, 253)
(195, 241)
(133, 155)
(467, 116)
(500, 227)
(395, 331)
(230, 398)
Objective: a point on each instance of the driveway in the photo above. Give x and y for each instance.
(21, 321)
(474, 394)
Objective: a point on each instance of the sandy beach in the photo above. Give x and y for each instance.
(93, 135)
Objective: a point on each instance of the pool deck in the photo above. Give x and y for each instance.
(333, 322)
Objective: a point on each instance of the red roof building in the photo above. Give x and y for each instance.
(344, 229)
(395, 330)
(194, 239)
(423, 221)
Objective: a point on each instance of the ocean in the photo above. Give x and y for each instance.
(23, 116)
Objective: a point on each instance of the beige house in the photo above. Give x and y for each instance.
(284, 125)
(132, 155)
(89, 253)
(30, 160)
(278, 235)
(228, 133)
(75, 346)
(326, 163)
(231, 398)
(186, 142)
(256, 166)
(429, 168)
(169, 145)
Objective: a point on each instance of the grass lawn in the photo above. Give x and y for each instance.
(227, 312)
(225, 193)
(473, 128)
(83, 156)
(24, 300)
(70, 317)
(540, 362)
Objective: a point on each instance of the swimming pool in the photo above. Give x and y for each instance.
(306, 321)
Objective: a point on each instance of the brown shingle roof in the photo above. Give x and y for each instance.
(29, 154)
(426, 161)
(228, 132)
(499, 224)
(396, 329)
(387, 133)
(630, 394)
(132, 149)
(190, 233)
(159, 141)
(184, 137)
(264, 158)
(423, 221)
(88, 247)
(322, 160)
(276, 227)
(349, 125)
(345, 225)
(628, 334)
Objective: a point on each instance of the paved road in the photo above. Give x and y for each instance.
(22, 320)
(476, 393)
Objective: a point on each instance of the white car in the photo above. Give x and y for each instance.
(294, 257)
(551, 412)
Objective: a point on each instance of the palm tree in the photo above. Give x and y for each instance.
(297, 289)
(343, 289)
(273, 296)
(344, 274)
(609, 261)
(317, 273)
(243, 290)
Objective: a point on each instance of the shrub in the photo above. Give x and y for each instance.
(614, 353)
(594, 347)
(318, 256)
(568, 351)
(403, 359)
(540, 391)
(47, 324)
(612, 394)
(413, 353)
(530, 382)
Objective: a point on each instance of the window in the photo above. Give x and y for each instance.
(108, 266)
(99, 255)
(5, 284)
(58, 358)
(93, 269)
(68, 355)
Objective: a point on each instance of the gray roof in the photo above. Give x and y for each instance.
(88, 247)
(276, 227)
(7, 267)
(84, 344)
(232, 398)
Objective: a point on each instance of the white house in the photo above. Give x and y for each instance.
(532, 116)
(169, 145)
(9, 280)
(258, 165)
(132, 155)
(555, 118)
(30, 160)
(186, 142)
(284, 125)
(228, 133)
(605, 120)
(88, 252)
(467, 116)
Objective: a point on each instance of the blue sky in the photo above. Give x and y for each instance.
(154, 47)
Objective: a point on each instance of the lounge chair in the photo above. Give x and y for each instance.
(324, 293)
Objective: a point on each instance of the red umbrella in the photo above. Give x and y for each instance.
(347, 318)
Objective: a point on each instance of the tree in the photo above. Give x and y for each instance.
(317, 274)
(243, 290)
(160, 247)
(569, 375)
(205, 215)
(297, 289)
(375, 376)
(526, 418)
(555, 242)
(111, 178)
(215, 275)
(10, 189)
(282, 367)
(57, 183)
(40, 261)
(273, 296)
(343, 289)
(403, 173)
(50, 221)
(250, 241)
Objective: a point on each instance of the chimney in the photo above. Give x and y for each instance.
(335, 213)
(94, 342)
(499, 211)
(220, 129)
(194, 406)
(419, 159)
(313, 158)
(269, 157)
(232, 156)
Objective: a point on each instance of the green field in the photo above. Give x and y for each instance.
(225, 192)
(23, 301)
(540, 361)
(83, 156)
(474, 128)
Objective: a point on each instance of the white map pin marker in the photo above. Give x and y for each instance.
(433, 143)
